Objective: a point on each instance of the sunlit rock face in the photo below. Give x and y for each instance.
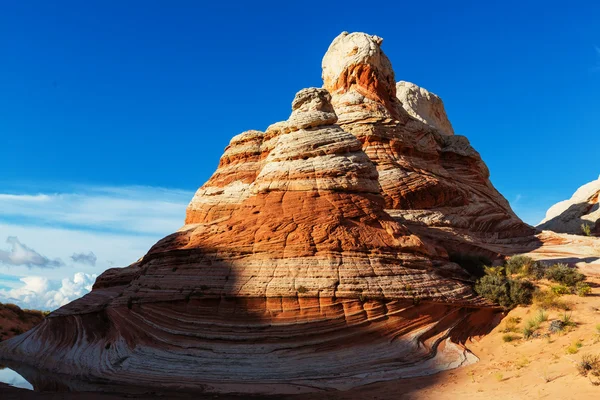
(424, 106)
(583, 208)
(314, 258)
(431, 180)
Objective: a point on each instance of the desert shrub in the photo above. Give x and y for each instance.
(560, 290)
(586, 229)
(583, 289)
(521, 291)
(564, 274)
(473, 264)
(533, 323)
(549, 300)
(541, 316)
(567, 320)
(562, 324)
(522, 363)
(509, 338)
(495, 271)
(494, 288)
(528, 332)
(589, 364)
(510, 325)
(524, 265)
(506, 292)
(574, 347)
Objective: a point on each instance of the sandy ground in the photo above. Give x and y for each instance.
(539, 368)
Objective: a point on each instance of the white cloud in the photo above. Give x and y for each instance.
(20, 254)
(101, 227)
(44, 294)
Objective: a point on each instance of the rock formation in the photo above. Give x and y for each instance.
(14, 320)
(424, 106)
(431, 180)
(314, 258)
(583, 208)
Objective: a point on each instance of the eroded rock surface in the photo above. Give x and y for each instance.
(583, 208)
(431, 180)
(314, 258)
(423, 105)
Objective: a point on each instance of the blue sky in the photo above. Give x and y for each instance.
(103, 104)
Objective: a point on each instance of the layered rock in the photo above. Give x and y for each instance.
(289, 276)
(316, 257)
(583, 208)
(431, 180)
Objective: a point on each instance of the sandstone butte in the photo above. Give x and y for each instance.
(583, 208)
(315, 258)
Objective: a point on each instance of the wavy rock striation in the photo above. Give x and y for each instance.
(298, 267)
(583, 208)
(431, 180)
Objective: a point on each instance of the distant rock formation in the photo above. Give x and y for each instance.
(14, 320)
(316, 257)
(583, 208)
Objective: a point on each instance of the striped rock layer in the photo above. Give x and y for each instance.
(305, 262)
(432, 181)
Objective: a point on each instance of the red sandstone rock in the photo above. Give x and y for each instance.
(431, 181)
(298, 267)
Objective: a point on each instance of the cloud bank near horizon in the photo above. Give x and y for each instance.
(59, 242)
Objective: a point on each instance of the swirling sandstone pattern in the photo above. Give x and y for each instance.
(431, 180)
(295, 269)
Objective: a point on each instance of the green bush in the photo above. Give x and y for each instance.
(494, 288)
(515, 264)
(528, 332)
(586, 229)
(503, 291)
(564, 274)
(567, 320)
(583, 289)
(541, 316)
(511, 325)
(560, 290)
(509, 338)
(574, 347)
(549, 300)
(521, 292)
